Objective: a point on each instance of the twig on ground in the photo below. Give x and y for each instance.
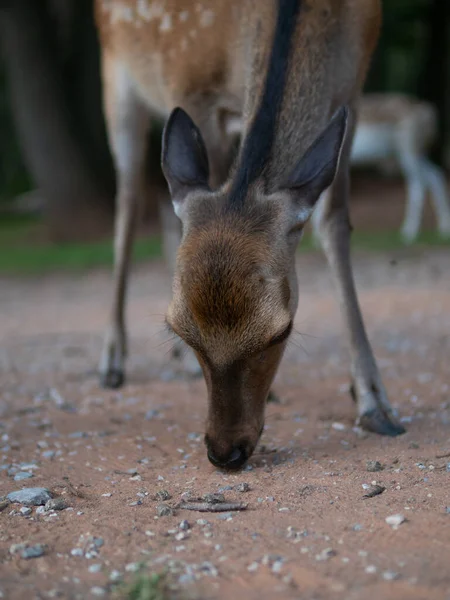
(446, 455)
(208, 507)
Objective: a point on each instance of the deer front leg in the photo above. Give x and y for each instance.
(127, 122)
(374, 411)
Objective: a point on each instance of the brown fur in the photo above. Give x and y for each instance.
(235, 286)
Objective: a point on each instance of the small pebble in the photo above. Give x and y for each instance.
(21, 475)
(242, 487)
(395, 520)
(325, 554)
(95, 568)
(115, 576)
(164, 510)
(373, 466)
(163, 495)
(76, 552)
(25, 510)
(48, 454)
(15, 548)
(370, 569)
(390, 575)
(30, 496)
(98, 591)
(33, 551)
(277, 566)
(132, 567)
(214, 498)
(339, 426)
(184, 525)
(55, 504)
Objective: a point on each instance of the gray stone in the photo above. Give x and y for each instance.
(48, 454)
(163, 495)
(96, 568)
(30, 496)
(55, 504)
(242, 487)
(98, 591)
(373, 466)
(164, 510)
(214, 498)
(21, 475)
(33, 551)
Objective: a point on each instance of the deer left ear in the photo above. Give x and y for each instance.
(184, 158)
(317, 169)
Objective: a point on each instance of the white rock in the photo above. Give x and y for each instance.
(395, 520)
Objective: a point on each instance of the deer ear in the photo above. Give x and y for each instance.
(316, 171)
(184, 158)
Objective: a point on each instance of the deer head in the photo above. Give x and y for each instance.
(235, 287)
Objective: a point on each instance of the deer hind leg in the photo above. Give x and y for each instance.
(415, 197)
(439, 195)
(127, 124)
(374, 411)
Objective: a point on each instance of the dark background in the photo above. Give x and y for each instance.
(53, 149)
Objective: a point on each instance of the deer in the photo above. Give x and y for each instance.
(398, 130)
(285, 77)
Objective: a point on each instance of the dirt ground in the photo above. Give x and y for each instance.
(308, 532)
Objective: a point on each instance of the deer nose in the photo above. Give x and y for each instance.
(231, 461)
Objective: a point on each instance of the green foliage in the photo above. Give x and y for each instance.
(14, 178)
(18, 255)
(147, 587)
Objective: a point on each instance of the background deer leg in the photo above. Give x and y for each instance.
(439, 195)
(127, 122)
(415, 197)
(374, 410)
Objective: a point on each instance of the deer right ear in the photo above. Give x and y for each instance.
(184, 158)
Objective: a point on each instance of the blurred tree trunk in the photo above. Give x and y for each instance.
(434, 81)
(33, 57)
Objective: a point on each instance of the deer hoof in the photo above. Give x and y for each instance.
(378, 421)
(112, 379)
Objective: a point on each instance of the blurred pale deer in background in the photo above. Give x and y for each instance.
(395, 130)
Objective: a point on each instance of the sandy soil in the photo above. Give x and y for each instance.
(308, 532)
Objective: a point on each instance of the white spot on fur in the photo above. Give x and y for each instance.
(147, 11)
(143, 9)
(303, 214)
(166, 22)
(207, 18)
(183, 16)
(184, 44)
(193, 33)
(121, 13)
